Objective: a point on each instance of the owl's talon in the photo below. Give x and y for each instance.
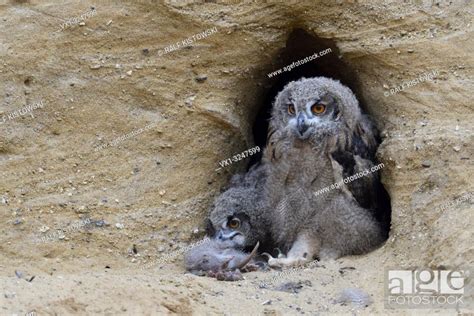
(266, 254)
(280, 254)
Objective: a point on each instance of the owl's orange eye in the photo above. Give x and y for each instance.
(291, 109)
(318, 109)
(234, 223)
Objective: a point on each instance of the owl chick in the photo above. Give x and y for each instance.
(239, 213)
(317, 137)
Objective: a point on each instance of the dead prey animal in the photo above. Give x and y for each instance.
(219, 260)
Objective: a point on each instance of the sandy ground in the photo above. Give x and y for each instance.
(130, 291)
(108, 215)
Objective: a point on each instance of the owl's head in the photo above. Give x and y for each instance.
(315, 107)
(234, 218)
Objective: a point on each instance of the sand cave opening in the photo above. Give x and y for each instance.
(299, 45)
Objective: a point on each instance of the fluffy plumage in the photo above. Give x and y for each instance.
(242, 202)
(317, 137)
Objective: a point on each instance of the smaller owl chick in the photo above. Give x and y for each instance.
(239, 213)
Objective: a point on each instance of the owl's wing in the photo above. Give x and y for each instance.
(275, 144)
(365, 139)
(269, 153)
(367, 190)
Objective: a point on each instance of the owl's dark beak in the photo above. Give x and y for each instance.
(226, 234)
(301, 124)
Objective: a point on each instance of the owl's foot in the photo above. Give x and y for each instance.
(284, 262)
(329, 254)
(269, 256)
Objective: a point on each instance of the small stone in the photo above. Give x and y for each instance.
(129, 72)
(108, 23)
(95, 66)
(44, 229)
(145, 51)
(201, 78)
(189, 101)
(162, 192)
(292, 287)
(82, 23)
(267, 302)
(426, 163)
(355, 297)
(411, 51)
(17, 221)
(457, 148)
(119, 226)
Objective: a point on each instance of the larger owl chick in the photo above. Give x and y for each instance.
(318, 136)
